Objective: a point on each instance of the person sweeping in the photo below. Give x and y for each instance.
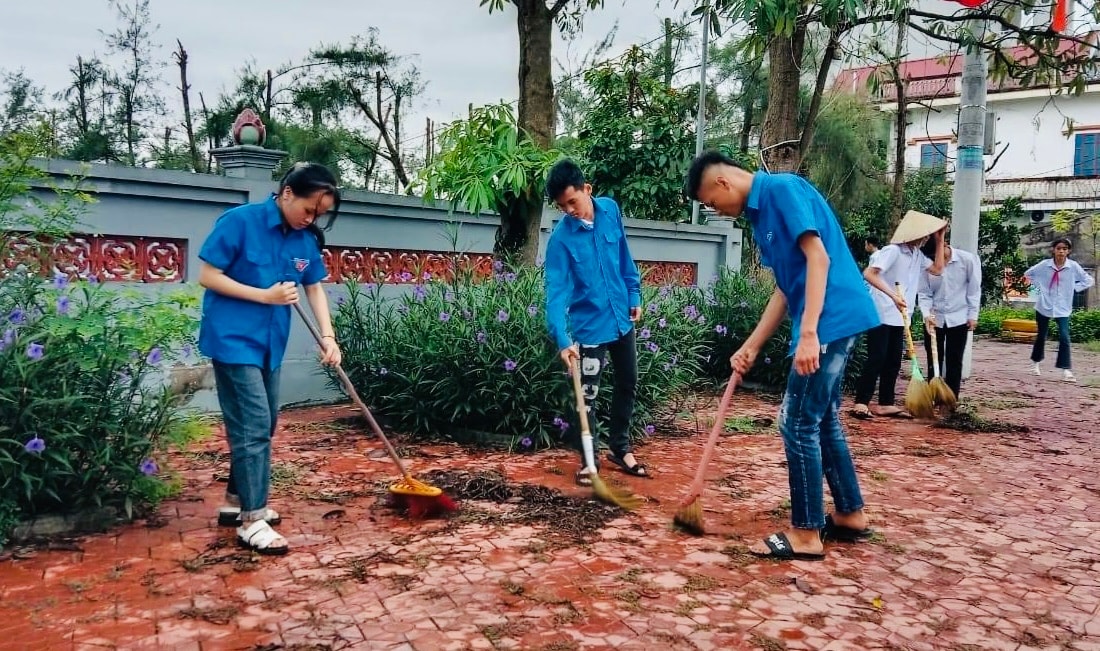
(900, 262)
(949, 304)
(819, 286)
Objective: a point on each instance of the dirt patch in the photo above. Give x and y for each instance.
(967, 420)
(572, 519)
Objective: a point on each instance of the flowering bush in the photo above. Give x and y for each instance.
(82, 415)
(472, 361)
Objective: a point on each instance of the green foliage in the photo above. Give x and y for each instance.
(999, 244)
(472, 360)
(847, 158)
(636, 138)
(20, 209)
(923, 191)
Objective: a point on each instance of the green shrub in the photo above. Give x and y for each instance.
(83, 414)
(472, 361)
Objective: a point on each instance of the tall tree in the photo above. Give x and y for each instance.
(20, 102)
(89, 103)
(780, 27)
(182, 59)
(136, 83)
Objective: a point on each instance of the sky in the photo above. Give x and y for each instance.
(464, 53)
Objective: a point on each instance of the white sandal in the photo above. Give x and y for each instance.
(230, 516)
(262, 539)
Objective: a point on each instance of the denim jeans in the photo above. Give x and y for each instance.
(248, 396)
(809, 420)
(624, 359)
(1039, 350)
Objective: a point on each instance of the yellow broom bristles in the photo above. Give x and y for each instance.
(615, 496)
(690, 517)
(942, 394)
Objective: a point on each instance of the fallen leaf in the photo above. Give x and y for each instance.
(333, 514)
(804, 586)
(876, 603)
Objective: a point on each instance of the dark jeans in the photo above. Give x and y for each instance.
(950, 345)
(248, 396)
(884, 348)
(814, 440)
(624, 357)
(1039, 350)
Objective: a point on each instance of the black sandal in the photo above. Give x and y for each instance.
(638, 469)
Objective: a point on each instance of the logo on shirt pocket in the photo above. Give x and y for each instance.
(300, 264)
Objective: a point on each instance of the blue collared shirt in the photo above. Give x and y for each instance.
(591, 278)
(1056, 289)
(251, 245)
(782, 208)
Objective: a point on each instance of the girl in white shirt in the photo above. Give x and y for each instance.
(1057, 278)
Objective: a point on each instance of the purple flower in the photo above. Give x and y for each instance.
(649, 429)
(498, 266)
(17, 316)
(509, 365)
(63, 305)
(502, 316)
(35, 445)
(426, 276)
(187, 350)
(720, 329)
(148, 467)
(9, 338)
(509, 277)
(420, 293)
(154, 356)
(466, 314)
(449, 296)
(652, 347)
(664, 291)
(405, 277)
(644, 334)
(651, 308)
(691, 312)
(35, 350)
(561, 423)
(93, 279)
(532, 310)
(383, 371)
(662, 323)
(767, 360)
(482, 337)
(444, 316)
(526, 442)
(702, 319)
(60, 281)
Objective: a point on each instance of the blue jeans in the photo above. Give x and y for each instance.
(1039, 350)
(248, 396)
(809, 420)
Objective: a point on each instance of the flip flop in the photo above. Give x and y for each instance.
(779, 548)
(862, 414)
(840, 533)
(638, 469)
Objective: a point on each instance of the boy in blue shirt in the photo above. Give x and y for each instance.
(252, 264)
(593, 283)
(819, 285)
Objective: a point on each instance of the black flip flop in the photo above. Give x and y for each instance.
(638, 469)
(779, 548)
(839, 533)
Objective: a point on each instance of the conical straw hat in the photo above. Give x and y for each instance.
(916, 225)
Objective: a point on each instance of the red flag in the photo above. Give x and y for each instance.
(1058, 22)
(969, 3)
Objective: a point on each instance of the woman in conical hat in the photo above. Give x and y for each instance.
(899, 262)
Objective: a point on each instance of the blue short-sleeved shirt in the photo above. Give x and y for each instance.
(783, 207)
(251, 245)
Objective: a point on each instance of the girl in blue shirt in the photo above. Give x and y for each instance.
(252, 264)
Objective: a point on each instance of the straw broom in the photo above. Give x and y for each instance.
(421, 499)
(619, 497)
(918, 397)
(941, 393)
(690, 516)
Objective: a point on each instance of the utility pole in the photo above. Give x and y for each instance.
(700, 119)
(969, 161)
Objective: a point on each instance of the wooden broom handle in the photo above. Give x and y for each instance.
(578, 391)
(712, 440)
(905, 322)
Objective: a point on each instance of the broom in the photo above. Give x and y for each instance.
(620, 497)
(941, 393)
(918, 397)
(690, 515)
(421, 500)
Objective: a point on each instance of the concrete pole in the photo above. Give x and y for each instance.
(969, 161)
(700, 119)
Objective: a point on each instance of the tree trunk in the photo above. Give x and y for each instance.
(746, 126)
(897, 194)
(780, 138)
(536, 88)
(188, 125)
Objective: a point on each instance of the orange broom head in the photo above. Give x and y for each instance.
(420, 500)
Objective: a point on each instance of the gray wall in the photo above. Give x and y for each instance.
(182, 205)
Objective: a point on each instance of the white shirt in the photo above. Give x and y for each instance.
(955, 296)
(1056, 286)
(898, 263)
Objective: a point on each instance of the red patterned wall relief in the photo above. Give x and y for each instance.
(685, 274)
(398, 266)
(109, 258)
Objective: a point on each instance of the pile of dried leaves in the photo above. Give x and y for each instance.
(572, 519)
(967, 420)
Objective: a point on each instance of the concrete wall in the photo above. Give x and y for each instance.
(167, 204)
